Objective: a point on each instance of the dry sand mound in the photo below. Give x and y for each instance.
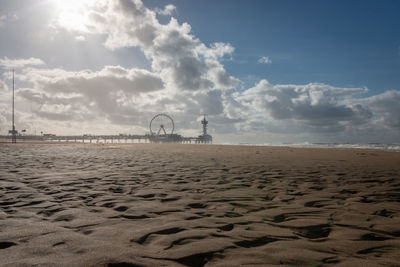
(197, 205)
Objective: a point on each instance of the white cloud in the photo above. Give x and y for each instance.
(312, 107)
(265, 60)
(183, 61)
(187, 78)
(59, 94)
(20, 63)
(3, 86)
(387, 105)
(317, 113)
(80, 38)
(167, 11)
(3, 18)
(8, 17)
(131, 96)
(4, 93)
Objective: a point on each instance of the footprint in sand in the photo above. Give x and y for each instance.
(197, 205)
(4, 245)
(257, 242)
(168, 231)
(227, 227)
(121, 208)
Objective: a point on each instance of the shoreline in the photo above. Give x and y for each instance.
(366, 147)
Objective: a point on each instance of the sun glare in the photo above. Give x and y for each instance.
(71, 14)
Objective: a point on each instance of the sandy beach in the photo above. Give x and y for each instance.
(197, 205)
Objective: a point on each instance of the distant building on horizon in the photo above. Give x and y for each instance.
(205, 137)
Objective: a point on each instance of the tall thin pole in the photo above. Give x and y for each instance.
(14, 137)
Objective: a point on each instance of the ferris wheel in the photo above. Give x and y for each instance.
(161, 124)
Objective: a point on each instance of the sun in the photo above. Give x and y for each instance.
(72, 14)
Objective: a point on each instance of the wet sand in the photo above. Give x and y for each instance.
(197, 205)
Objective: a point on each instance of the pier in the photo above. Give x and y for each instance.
(161, 131)
(118, 139)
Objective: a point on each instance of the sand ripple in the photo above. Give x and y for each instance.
(194, 205)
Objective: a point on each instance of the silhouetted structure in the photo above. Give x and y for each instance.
(205, 138)
(161, 131)
(13, 131)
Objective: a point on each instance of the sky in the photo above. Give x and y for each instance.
(264, 71)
